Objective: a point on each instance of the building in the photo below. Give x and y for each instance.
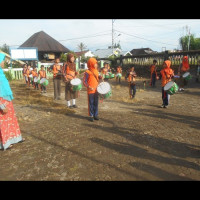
(48, 47)
(8, 59)
(142, 51)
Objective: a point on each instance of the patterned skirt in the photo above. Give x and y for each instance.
(9, 128)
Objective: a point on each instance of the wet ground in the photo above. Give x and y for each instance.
(134, 139)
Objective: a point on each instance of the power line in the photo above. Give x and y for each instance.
(145, 38)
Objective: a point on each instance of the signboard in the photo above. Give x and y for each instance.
(29, 53)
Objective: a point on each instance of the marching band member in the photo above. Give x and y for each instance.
(35, 75)
(28, 73)
(153, 73)
(91, 81)
(166, 74)
(42, 73)
(184, 67)
(69, 72)
(104, 71)
(57, 77)
(131, 81)
(24, 73)
(119, 71)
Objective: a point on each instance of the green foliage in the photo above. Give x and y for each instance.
(63, 57)
(8, 75)
(194, 43)
(82, 46)
(5, 48)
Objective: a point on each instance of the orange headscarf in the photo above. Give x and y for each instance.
(166, 73)
(91, 62)
(185, 64)
(167, 69)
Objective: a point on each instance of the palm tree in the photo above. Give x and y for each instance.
(82, 46)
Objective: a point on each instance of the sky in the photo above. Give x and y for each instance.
(157, 34)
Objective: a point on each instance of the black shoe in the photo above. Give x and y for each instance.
(70, 107)
(75, 106)
(91, 119)
(96, 118)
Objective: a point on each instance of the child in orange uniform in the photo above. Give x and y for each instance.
(131, 81)
(153, 73)
(91, 81)
(24, 73)
(42, 74)
(119, 71)
(35, 75)
(69, 72)
(28, 73)
(166, 74)
(57, 77)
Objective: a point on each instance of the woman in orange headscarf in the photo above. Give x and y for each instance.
(166, 74)
(184, 67)
(69, 72)
(91, 81)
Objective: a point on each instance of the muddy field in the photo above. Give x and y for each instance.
(133, 140)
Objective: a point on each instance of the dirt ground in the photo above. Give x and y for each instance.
(134, 140)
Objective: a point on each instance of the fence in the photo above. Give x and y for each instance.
(147, 59)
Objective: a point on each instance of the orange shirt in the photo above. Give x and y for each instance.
(166, 76)
(119, 70)
(90, 80)
(153, 69)
(131, 77)
(34, 73)
(104, 71)
(28, 72)
(42, 74)
(56, 69)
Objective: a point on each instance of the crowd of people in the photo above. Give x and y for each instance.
(92, 77)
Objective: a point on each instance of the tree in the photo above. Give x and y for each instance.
(194, 43)
(82, 46)
(5, 48)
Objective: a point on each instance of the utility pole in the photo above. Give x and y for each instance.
(188, 32)
(189, 41)
(112, 35)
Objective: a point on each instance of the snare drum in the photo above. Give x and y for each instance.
(36, 79)
(119, 75)
(44, 81)
(104, 90)
(187, 76)
(171, 87)
(111, 75)
(76, 84)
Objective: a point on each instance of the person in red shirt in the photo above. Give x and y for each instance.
(166, 74)
(153, 73)
(91, 81)
(42, 74)
(184, 67)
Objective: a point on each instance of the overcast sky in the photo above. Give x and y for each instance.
(97, 33)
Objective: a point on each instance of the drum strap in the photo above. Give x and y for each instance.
(94, 75)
